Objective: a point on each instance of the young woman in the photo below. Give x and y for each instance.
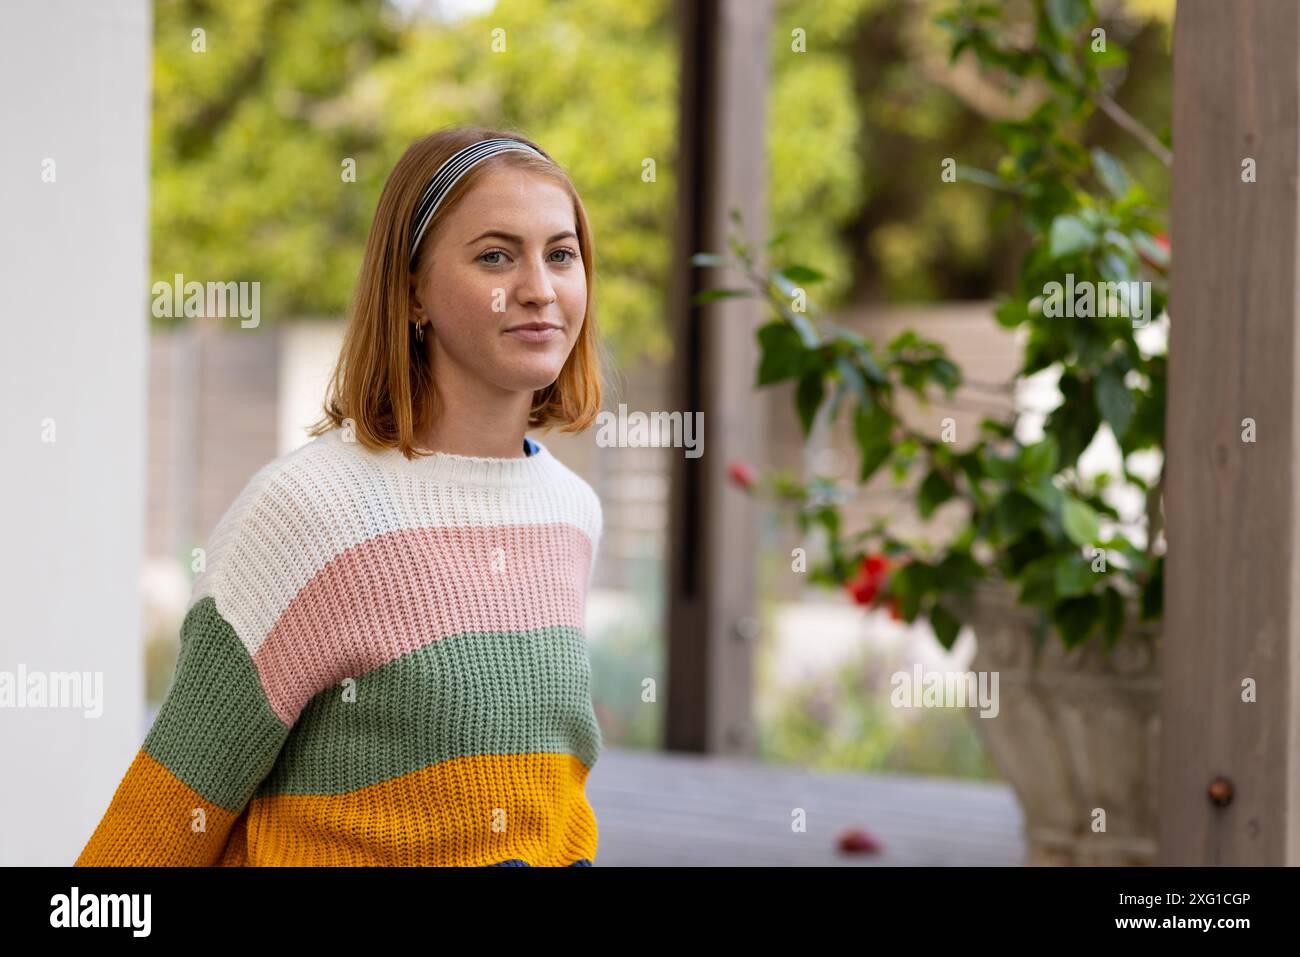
(383, 662)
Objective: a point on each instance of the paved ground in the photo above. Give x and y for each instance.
(667, 809)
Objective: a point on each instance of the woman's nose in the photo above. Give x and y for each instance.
(535, 285)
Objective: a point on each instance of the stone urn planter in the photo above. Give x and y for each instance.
(1077, 732)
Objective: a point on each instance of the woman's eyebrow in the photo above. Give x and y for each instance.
(518, 240)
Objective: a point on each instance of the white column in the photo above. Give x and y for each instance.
(74, 104)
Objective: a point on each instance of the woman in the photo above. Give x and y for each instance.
(383, 661)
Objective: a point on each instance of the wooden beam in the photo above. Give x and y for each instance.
(1232, 593)
(713, 527)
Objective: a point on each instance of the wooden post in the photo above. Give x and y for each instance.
(713, 533)
(1232, 593)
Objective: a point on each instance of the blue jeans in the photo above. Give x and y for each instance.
(516, 862)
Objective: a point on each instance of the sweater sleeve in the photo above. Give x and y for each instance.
(214, 740)
(216, 736)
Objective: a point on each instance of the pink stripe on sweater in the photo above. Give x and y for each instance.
(389, 595)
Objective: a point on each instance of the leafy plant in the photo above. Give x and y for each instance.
(1033, 519)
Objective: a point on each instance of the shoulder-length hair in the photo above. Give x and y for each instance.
(382, 385)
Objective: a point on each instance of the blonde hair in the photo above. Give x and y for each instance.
(382, 380)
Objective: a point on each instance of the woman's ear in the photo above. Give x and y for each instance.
(417, 308)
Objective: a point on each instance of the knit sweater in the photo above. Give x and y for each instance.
(383, 662)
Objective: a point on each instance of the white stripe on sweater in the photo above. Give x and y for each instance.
(301, 510)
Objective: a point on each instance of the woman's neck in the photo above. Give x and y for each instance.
(479, 428)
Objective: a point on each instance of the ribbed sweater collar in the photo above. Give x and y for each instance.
(448, 469)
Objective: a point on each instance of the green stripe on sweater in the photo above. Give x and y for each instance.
(216, 730)
(471, 694)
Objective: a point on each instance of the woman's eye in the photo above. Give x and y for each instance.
(497, 252)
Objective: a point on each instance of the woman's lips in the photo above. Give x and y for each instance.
(534, 334)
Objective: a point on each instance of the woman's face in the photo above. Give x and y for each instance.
(504, 260)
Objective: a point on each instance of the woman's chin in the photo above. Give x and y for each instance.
(531, 376)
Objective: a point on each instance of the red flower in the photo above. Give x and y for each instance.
(741, 474)
(1162, 241)
(865, 586)
(858, 841)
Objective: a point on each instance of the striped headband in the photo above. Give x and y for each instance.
(447, 176)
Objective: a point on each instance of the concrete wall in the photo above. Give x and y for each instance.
(74, 90)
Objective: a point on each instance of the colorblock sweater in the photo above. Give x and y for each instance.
(383, 663)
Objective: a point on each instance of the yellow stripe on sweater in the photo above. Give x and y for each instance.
(468, 811)
(154, 819)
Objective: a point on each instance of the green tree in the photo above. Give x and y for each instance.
(249, 138)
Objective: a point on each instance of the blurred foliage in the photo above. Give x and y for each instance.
(162, 650)
(248, 141)
(1032, 517)
(859, 123)
(841, 718)
(844, 720)
(249, 137)
(623, 656)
